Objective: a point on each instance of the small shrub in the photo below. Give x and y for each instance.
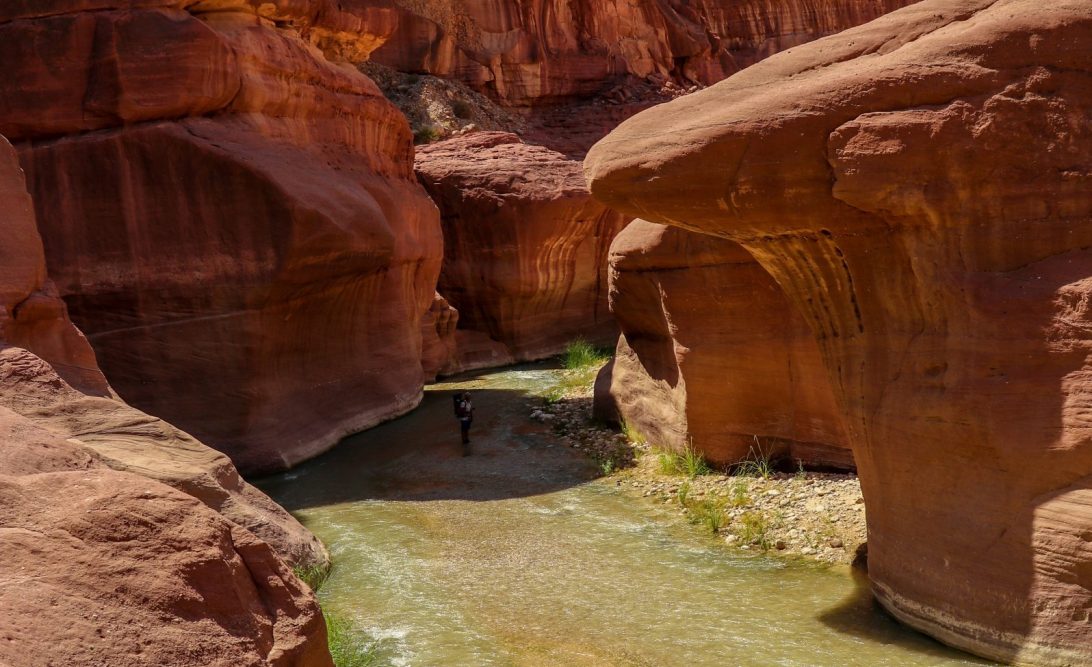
(461, 109)
(754, 530)
(580, 354)
(349, 647)
(312, 575)
(426, 134)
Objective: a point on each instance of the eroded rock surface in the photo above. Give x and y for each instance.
(542, 51)
(919, 187)
(712, 356)
(241, 237)
(525, 245)
(108, 568)
(114, 567)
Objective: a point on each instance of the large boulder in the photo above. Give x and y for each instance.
(921, 189)
(232, 219)
(525, 245)
(107, 568)
(712, 356)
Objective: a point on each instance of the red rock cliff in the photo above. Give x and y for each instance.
(169, 575)
(712, 356)
(233, 220)
(525, 245)
(920, 189)
(535, 51)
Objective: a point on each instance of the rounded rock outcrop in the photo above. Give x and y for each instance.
(919, 188)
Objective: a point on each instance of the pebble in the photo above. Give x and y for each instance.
(835, 543)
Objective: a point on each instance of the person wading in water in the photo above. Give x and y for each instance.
(464, 411)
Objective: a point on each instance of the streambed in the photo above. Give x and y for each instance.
(517, 555)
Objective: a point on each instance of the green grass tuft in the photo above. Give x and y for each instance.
(689, 463)
(754, 529)
(632, 434)
(580, 354)
(709, 513)
(350, 647)
(312, 575)
(758, 463)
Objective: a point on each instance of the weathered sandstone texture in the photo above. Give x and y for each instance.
(542, 51)
(113, 567)
(232, 219)
(525, 245)
(712, 356)
(921, 189)
(107, 568)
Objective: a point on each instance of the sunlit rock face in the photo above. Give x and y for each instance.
(712, 356)
(540, 51)
(919, 187)
(525, 245)
(232, 219)
(96, 542)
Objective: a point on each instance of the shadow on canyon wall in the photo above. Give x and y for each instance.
(419, 456)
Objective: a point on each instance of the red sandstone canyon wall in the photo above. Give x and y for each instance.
(232, 219)
(712, 356)
(539, 51)
(104, 562)
(922, 196)
(525, 245)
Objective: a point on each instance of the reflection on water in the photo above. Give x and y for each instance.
(517, 556)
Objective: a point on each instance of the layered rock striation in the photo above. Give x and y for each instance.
(232, 219)
(919, 188)
(540, 52)
(525, 245)
(712, 356)
(103, 562)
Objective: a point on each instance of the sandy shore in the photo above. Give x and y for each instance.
(804, 514)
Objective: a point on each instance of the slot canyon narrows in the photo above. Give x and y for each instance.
(764, 322)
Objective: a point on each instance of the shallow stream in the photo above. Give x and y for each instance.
(516, 555)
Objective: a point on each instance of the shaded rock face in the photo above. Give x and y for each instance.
(114, 567)
(525, 245)
(241, 237)
(539, 51)
(712, 356)
(922, 196)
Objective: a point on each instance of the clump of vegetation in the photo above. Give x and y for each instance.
(707, 512)
(633, 434)
(683, 493)
(461, 109)
(737, 494)
(312, 575)
(754, 529)
(581, 361)
(580, 354)
(759, 463)
(349, 646)
(689, 462)
(426, 134)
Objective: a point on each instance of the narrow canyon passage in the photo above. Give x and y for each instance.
(517, 555)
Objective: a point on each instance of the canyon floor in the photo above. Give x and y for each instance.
(525, 553)
(803, 513)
